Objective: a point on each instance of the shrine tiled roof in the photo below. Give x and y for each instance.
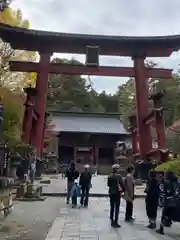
(30, 39)
(88, 123)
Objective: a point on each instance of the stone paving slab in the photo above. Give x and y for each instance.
(30, 220)
(93, 224)
(99, 186)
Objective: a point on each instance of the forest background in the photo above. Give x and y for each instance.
(76, 93)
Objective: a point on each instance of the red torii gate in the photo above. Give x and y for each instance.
(46, 43)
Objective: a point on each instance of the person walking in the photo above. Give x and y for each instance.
(85, 183)
(169, 210)
(116, 188)
(152, 199)
(75, 193)
(129, 194)
(71, 174)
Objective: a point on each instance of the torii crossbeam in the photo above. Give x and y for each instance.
(57, 68)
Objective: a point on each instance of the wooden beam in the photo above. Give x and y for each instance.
(150, 117)
(18, 66)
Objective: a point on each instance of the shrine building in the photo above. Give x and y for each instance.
(87, 137)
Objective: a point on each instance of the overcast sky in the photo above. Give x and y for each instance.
(110, 17)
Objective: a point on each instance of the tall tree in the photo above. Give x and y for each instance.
(109, 102)
(13, 113)
(68, 92)
(14, 80)
(126, 96)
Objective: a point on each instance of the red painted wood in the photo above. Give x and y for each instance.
(27, 119)
(40, 103)
(85, 70)
(150, 117)
(134, 142)
(160, 130)
(43, 41)
(145, 140)
(160, 125)
(42, 140)
(134, 132)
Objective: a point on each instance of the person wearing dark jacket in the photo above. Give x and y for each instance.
(152, 198)
(169, 209)
(71, 174)
(85, 183)
(116, 188)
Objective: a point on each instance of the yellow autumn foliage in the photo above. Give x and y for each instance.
(12, 83)
(12, 102)
(13, 18)
(14, 80)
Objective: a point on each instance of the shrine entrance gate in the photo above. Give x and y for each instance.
(46, 43)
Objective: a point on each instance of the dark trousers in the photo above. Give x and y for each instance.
(129, 210)
(151, 209)
(74, 200)
(168, 214)
(84, 195)
(69, 187)
(114, 207)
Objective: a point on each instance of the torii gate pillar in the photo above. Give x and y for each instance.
(40, 103)
(28, 114)
(145, 140)
(134, 132)
(160, 126)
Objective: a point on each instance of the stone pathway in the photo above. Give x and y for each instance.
(93, 224)
(99, 185)
(30, 220)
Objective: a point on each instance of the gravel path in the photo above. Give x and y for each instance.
(30, 220)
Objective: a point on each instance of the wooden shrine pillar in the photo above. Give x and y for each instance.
(40, 104)
(44, 132)
(145, 140)
(28, 114)
(74, 152)
(42, 139)
(160, 126)
(160, 130)
(96, 154)
(134, 132)
(134, 141)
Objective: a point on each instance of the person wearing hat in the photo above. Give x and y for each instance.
(85, 183)
(116, 188)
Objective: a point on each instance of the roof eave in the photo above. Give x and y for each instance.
(35, 40)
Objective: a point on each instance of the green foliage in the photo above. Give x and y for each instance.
(170, 101)
(11, 84)
(126, 99)
(172, 165)
(109, 102)
(12, 115)
(75, 93)
(23, 149)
